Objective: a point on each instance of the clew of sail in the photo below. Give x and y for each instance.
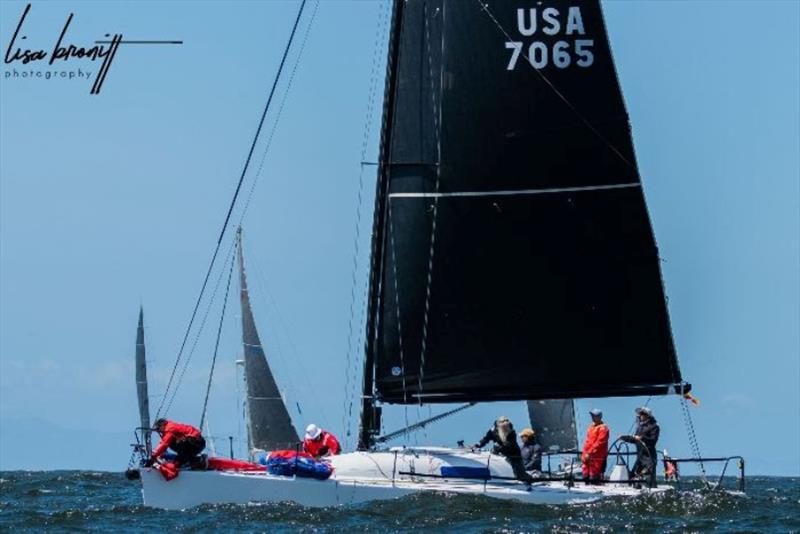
(269, 424)
(141, 381)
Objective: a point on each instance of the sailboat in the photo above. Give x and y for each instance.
(143, 446)
(142, 396)
(512, 254)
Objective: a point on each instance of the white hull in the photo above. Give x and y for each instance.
(361, 477)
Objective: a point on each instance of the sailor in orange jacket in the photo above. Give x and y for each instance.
(185, 440)
(319, 442)
(595, 448)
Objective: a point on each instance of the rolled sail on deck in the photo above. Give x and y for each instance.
(544, 274)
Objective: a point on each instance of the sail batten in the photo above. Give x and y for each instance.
(546, 281)
(269, 423)
(424, 194)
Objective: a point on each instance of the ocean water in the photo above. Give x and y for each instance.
(74, 501)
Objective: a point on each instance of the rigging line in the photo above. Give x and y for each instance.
(485, 8)
(350, 373)
(687, 416)
(216, 344)
(687, 420)
(437, 117)
(377, 53)
(278, 114)
(360, 341)
(233, 203)
(267, 146)
(357, 365)
(173, 394)
(419, 425)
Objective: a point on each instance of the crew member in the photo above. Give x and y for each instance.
(670, 468)
(320, 442)
(595, 448)
(645, 438)
(531, 451)
(505, 440)
(185, 440)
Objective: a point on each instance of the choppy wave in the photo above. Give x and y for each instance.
(81, 500)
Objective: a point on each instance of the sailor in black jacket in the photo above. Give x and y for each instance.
(645, 437)
(505, 443)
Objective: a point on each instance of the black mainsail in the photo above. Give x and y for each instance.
(141, 381)
(513, 256)
(269, 424)
(553, 420)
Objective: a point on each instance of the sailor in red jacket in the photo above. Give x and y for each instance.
(185, 440)
(595, 448)
(319, 442)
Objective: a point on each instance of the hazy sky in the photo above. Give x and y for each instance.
(114, 200)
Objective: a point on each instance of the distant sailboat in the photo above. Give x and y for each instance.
(141, 382)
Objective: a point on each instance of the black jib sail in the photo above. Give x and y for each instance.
(141, 381)
(269, 424)
(513, 256)
(553, 420)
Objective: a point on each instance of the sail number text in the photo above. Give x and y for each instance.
(551, 22)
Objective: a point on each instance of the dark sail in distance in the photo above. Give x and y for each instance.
(270, 426)
(513, 255)
(553, 420)
(141, 381)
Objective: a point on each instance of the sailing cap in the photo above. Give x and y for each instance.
(596, 411)
(313, 431)
(644, 409)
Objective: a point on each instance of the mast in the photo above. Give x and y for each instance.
(269, 424)
(141, 381)
(370, 414)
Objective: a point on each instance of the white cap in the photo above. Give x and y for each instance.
(313, 431)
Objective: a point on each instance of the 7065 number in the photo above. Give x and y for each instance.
(561, 55)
